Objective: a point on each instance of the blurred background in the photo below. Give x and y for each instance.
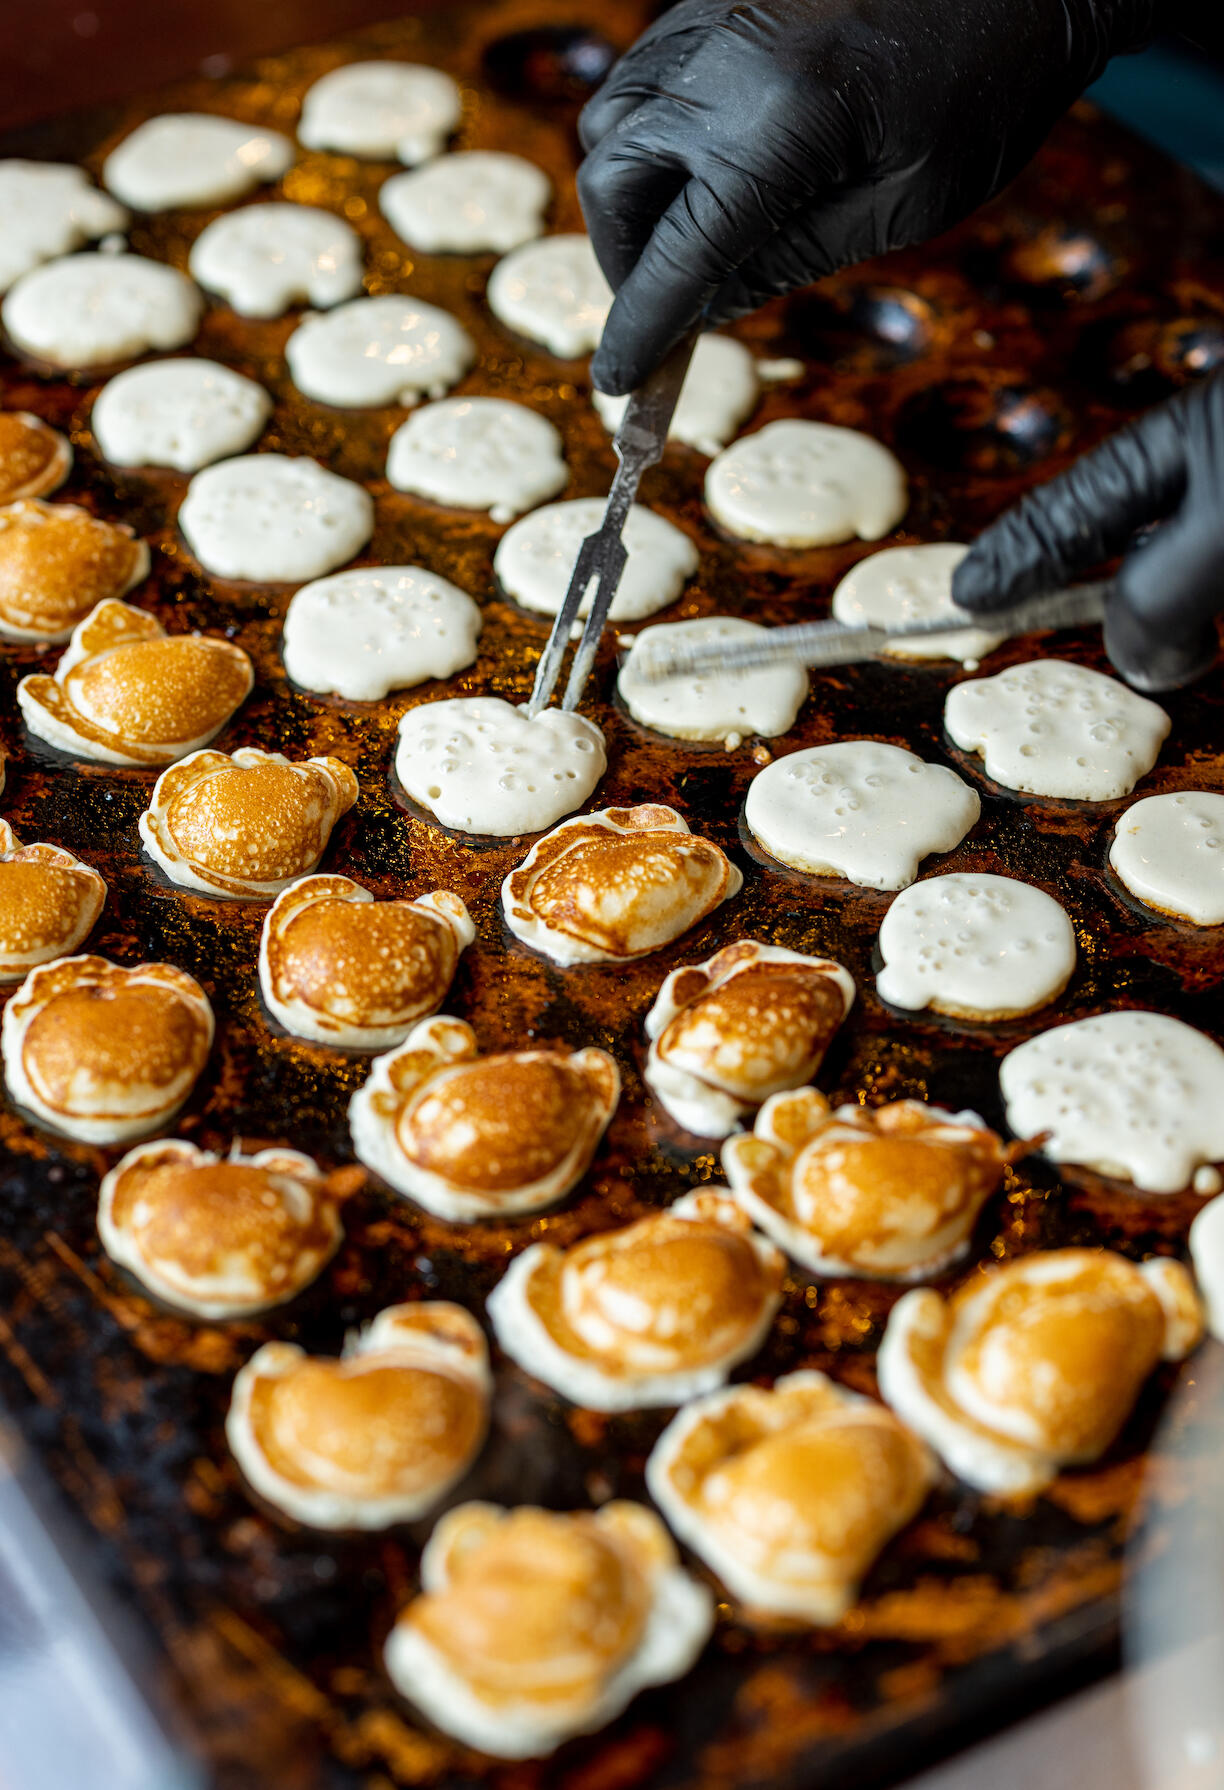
(59, 54)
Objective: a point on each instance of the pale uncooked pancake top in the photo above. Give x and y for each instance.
(380, 110)
(535, 559)
(803, 484)
(467, 204)
(193, 158)
(1052, 728)
(1169, 851)
(860, 809)
(553, 292)
(179, 413)
(264, 258)
(911, 584)
(974, 944)
(92, 310)
(274, 519)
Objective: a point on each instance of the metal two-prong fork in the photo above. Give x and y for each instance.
(639, 443)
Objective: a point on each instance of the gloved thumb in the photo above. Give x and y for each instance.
(1086, 515)
(1160, 627)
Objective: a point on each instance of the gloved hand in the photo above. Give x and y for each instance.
(743, 148)
(1168, 467)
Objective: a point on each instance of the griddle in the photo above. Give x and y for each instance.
(988, 360)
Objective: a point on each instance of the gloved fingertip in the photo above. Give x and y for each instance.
(975, 583)
(612, 374)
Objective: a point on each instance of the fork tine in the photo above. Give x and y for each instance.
(549, 668)
(612, 559)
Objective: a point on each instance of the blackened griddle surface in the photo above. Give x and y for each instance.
(988, 360)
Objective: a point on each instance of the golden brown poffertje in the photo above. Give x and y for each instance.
(470, 1137)
(102, 1053)
(49, 903)
(35, 459)
(246, 825)
(614, 885)
(340, 968)
(652, 1314)
(750, 1022)
(533, 1626)
(376, 1438)
(1034, 1364)
(219, 1237)
(57, 563)
(127, 693)
(890, 1191)
(789, 1495)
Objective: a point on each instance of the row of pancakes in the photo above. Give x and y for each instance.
(126, 693)
(338, 967)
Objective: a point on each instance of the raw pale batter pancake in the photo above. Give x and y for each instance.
(387, 350)
(468, 204)
(47, 209)
(1207, 1254)
(720, 391)
(911, 584)
(193, 158)
(553, 292)
(1051, 728)
(478, 454)
(1136, 1095)
(364, 633)
(715, 706)
(801, 484)
(179, 413)
(1169, 851)
(535, 559)
(265, 258)
(975, 947)
(274, 520)
(380, 110)
(92, 310)
(859, 809)
(479, 765)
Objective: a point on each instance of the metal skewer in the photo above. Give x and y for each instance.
(839, 643)
(638, 443)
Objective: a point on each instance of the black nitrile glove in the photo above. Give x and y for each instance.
(743, 148)
(1168, 467)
